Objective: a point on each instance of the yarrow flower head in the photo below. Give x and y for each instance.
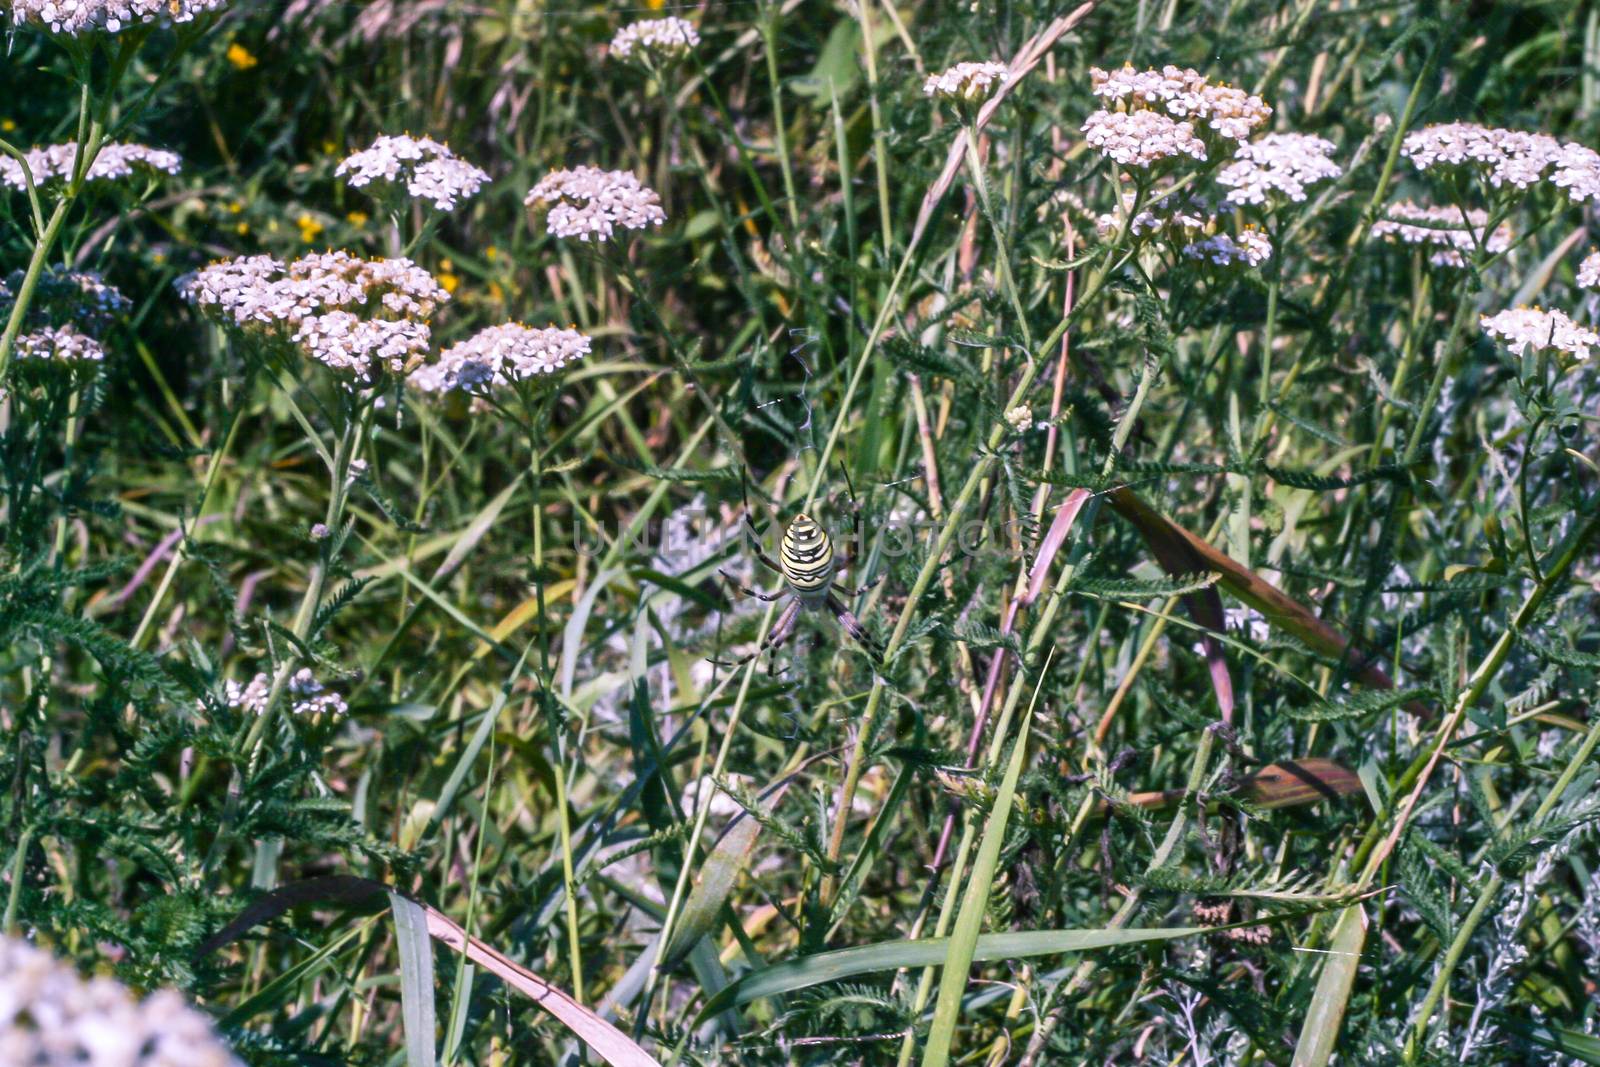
(60, 346)
(499, 355)
(69, 311)
(1141, 138)
(76, 17)
(1519, 328)
(354, 315)
(1278, 164)
(969, 82)
(589, 203)
(1162, 114)
(1169, 214)
(51, 1017)
(1249, 247)
(1503, 157)
(113, 163)
(306, 695)
(1589, 271)
(1452, 235)
(424, 168)
(83, 298)
(668, 38)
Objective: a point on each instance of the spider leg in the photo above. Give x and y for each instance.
(746, 590)
(851, 594)
(853, 627)
(781, 631)
(858, 541)
(753, 533)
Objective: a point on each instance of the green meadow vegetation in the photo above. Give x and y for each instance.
(792, 532)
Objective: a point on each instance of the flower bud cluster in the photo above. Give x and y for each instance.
(970, 82)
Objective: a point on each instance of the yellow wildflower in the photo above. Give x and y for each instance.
(240, 56)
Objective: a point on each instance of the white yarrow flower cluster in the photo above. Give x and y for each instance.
(1250, 247)
(589, 203)
(970, 82)
(1162, 114)
(1453, 235)
(499, 355)
(1518, 328)
(426, 169)
(307, 696)
(80, 297)
(52, 1017)
(1518, 158)
(354, 315)
(1167, 214)
(61, 345)
(69, 310)
(112, 16)
(114, 162)
(668, 38)
(1589, 271)
(1141, 138)
(1281, 164)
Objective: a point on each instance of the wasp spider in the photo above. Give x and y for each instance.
(807, 564)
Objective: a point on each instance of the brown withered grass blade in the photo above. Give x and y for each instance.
(1285, 784)
(1189, 553)
(1175, 551)
(1027, 57)
(609, 1043)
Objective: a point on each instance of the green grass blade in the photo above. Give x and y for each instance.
(416, 980)
(974, 903)
(1575, 1043)
(843, 963)
(1320, 1033)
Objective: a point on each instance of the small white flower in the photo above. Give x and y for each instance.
(426, 169)
(1589, 271)
(1453, 235)
(1518, 328)
(353, 315)
(589, 203)
(63, 346)
(1251, 247)
(967, 81)
(51, 1017)
(1182, 94)
(668, 38)
(1518, 158)
(499, 355)
(1278, 163)
(1141, 138)
(76, 17)
(1020, 418)
(113, 163)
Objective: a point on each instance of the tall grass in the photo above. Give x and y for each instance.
(1234, 622)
